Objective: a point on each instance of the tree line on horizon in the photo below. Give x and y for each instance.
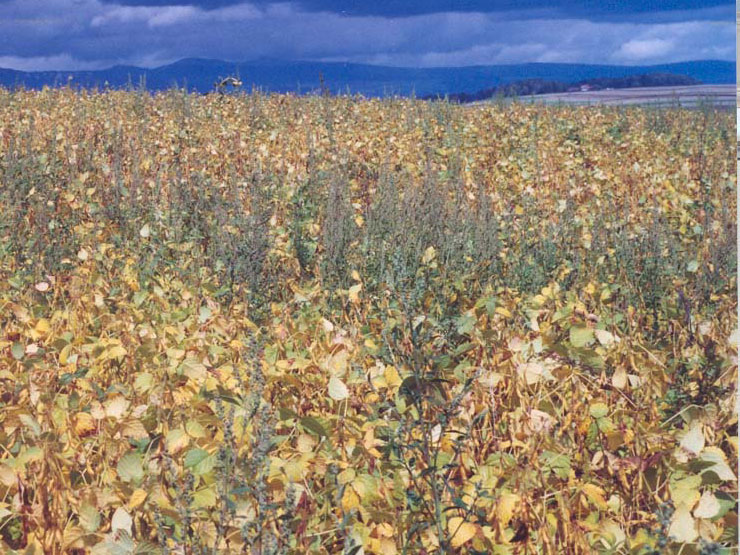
(528, 87)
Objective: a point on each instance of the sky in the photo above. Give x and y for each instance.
(95, 34)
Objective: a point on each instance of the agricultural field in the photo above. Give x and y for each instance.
(691, 96)
(267, 324)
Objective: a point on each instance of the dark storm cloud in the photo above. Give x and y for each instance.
(81, 34)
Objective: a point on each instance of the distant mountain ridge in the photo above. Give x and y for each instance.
(298, 76)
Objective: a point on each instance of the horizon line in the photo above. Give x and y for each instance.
(282, 60)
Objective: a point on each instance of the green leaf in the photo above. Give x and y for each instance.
(563, 312)
(204, 314)
(465, 324)
(598, 410)
(199, 461)
(16, 282)
(89, 518)
(204, 498)
(31, 424)
(464, 348)
(313, 425)
(685, 490)
(27, 456)
(487, 303)
(195, 429)
(17, 350)
(143, 382)
(130, 468)
(140, 297)
(557, 463)
(491, 306)
(284, 413)
(271, 354)
(581, 336)
(195, 457)
(443, 361)
(194, 369)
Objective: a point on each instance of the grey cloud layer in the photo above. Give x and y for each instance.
(88, 34)
(565, 9)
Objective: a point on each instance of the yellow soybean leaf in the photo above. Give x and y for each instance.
(388, 546)
(115, 408)
(122, 521)
(385, 530)
(294, 470)
(64, 354)
(505, 508)
(720, 467)
(204, 498)
(137, 498)
(595, 495)
(194, 369)
(350, 500)
(195, 429)
(683, 526)
(693, 439)
(346, 476)
(607, 339)
(338, 363)
(392, 378)
(354, 293)
(619, 379)
(84, 423)
(337, 390)
(176, 440)
(8, 477)
(708, 506)
(43, 326)
(503, 312)
(461, 532)
(116, 351)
